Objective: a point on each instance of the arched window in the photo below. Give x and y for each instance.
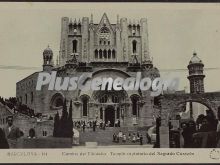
(32, 97)
(74, 46)
(134, 46)
(100, 54)
(105, 54)
(96, 54)
(113, 53)
(85, 100)
(103, 99)
(109, 54)
(115, 99)
(25, 98)
(135, 108)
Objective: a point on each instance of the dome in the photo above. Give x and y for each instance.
(195, 59)
(48, 51)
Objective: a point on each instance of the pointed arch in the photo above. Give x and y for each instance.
(113, 53)
(85, 103)
(96, 54)
(100, 54)
(134, 46)
(135, 107)
(109, 54)
(105, 54)
(74, 46)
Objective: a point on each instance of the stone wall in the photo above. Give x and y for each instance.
(46, 142)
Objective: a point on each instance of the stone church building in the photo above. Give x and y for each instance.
(104, 49)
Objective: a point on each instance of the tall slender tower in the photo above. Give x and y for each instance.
(196, 76)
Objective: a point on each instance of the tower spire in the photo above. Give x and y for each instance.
(196, 76)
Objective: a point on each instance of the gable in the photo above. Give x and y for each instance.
(104, 23)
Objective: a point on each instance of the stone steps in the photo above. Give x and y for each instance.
(104, 137)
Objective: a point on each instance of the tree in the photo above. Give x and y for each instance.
(63, 127)
(56, 125)
(64, 121)
(70, 121)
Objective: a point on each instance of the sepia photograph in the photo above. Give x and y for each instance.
(110, 76)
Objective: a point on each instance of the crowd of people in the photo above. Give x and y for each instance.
(93, 124)
(192, 132)
(130, 137)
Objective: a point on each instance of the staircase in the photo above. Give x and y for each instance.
(105, 137)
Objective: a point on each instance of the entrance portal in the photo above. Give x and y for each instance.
(110, 116)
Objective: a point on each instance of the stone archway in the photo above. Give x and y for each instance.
(57, 101)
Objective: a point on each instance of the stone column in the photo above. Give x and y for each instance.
(164, 127)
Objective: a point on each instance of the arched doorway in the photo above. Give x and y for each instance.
(110, 115)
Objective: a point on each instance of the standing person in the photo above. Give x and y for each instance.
(109, 123)
(134, 138)
(138, 137)
(12, 133)
(212, 120)
(84, 126)
(94, 125)
(118, 123)
(124, 138)
(129, 137)
(141, 140)
(114, 137)
(120, 134)
(3, 140)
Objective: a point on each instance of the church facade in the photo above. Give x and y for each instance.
(105, 50)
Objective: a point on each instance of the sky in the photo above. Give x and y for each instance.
(175, 32)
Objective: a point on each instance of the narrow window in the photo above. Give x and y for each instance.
(109, 54)
(105, 54)
(85, 105)
(100, 54)
(25, 98)
(32, 97)
(74, 46)
(134, 46)
(101, 113)
(113, 53)
(134, 100)
(96, 54)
